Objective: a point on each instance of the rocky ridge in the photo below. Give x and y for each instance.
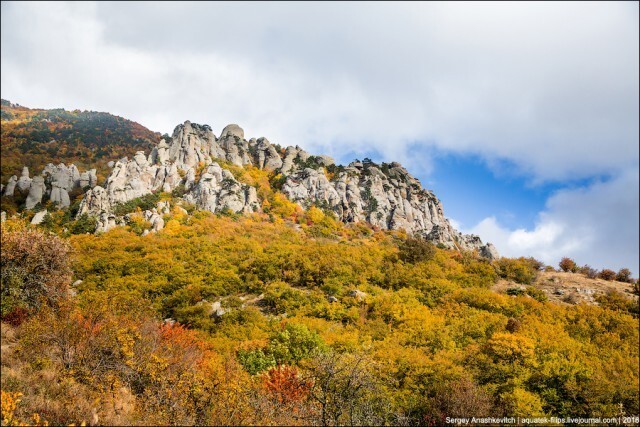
(385, 195)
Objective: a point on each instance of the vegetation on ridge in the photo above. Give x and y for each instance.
(276, 324)
(88, 139)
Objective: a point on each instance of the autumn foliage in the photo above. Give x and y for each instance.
(228, 320)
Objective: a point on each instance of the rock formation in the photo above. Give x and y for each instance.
(386, 195)
(53, 184)
(36, 191)
(11, 186)
(39, 217)
(24, 182)
(186, 160)
(191, 164)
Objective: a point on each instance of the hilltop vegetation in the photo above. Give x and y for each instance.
(297, 318)
(89, 139)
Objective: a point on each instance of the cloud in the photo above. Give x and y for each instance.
(597, 225)
(553, 87)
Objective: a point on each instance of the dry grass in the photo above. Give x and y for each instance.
(571, 288)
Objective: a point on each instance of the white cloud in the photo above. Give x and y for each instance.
(597, 225)
(552, 87)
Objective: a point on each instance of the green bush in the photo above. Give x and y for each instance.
(515, 291)
(614, 300)
(84, 224)
(414, 250)
(293, 344)
(146, 202)
(519, 270)
(256, 361)
(537, 294)
(288, 347)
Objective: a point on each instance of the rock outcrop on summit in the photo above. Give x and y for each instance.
(191, 162)
(386, 195)
(186, 160)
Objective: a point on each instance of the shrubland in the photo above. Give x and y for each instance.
(291, 317)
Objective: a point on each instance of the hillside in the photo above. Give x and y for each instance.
(219, 280)
(89, 139)
(229, 319)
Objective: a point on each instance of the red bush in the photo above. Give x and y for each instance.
(607, 274)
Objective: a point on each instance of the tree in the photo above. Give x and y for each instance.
(607, 274)
(346, 390)
(35, 270)
(624, 275)
(568, 265)
(591, 273)
(521, 270)
(293, 344)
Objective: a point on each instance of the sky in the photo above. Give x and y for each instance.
(522, 117)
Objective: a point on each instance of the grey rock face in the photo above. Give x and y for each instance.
(386, 196)
(357, 294)
(88, 179)
(232, 130)
(59, 195)
(106, 222)
(36, 191)
(489, 251)
(24, 182)
(266, 155)
(11, 186)
(156, 221)
(95, 201)
(191, 144)
(66, 178)
(187, 161)
(163, 207)
(218, 190)
(58, 181)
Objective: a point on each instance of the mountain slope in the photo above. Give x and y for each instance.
(88, 139)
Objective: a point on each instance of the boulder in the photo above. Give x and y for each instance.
(232, 130)
(38, 217)
(359, 295)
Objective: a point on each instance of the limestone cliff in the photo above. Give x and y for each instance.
(385, 195)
